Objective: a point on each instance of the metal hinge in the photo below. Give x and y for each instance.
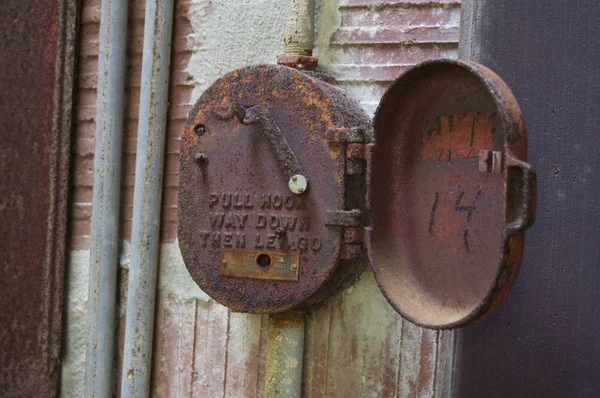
(352, 224)
(356, 140)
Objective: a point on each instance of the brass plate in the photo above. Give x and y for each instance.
(245, 264)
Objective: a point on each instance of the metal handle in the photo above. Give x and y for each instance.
(292, 170)
(526, 211)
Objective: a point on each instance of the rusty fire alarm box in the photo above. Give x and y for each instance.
(287, 191)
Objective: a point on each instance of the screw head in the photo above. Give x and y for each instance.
(294, 267)
(224, 262)
(298, 184)
(200, 158)
(199, 129)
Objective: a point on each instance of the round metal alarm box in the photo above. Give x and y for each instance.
(450, 193)
(270, 199)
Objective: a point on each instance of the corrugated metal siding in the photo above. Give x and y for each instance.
(204, 350)
(377, 40)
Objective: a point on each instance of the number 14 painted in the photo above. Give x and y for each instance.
(458, 207)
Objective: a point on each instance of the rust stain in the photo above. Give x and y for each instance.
(36, 78)
(254, 129)
(426, 365)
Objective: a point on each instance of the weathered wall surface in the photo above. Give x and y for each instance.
(356, 345)
(201, 348)
(80, 206)
(366, 44)
(73, 373)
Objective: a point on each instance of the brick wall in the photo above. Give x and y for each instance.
(85, 124)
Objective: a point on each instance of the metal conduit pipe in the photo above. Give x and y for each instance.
(145, 236)
(285, 345)
(299, 36)
(105, 209)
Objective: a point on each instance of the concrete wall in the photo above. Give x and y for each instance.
(356, 345)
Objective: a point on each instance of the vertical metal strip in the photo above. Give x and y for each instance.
(137, 360)
(105, 210)
(36, 80)
(470, 20)
(285, 356)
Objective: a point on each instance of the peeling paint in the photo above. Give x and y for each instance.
(124, 263)
(283, 368)
(76, 314)
(328, 21)
(174, 280)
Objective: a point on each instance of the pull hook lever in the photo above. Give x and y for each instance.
(292, 170)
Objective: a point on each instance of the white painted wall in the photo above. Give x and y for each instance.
(229, 34)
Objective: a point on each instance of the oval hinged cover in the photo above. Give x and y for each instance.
(450, 193)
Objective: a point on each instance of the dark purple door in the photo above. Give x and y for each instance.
(544, 341)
